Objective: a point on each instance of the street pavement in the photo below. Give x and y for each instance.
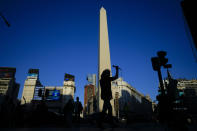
(106, 127)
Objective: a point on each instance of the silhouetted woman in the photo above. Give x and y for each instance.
(106, 93)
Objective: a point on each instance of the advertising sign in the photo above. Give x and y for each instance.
(53, 95)
(36, 93)
(69, 77)
(33, 75)
(6, 72)
(33, 71)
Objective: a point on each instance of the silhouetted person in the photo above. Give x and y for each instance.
(106, 93)
(68, 111)
(42, 111)
(78, 109)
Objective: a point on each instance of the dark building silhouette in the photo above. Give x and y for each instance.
(185, 97)
(8, 96)
(8, 86)
(189, 11)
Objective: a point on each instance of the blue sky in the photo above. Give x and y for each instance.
(61, 36)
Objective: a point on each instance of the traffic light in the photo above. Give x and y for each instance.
(155, 63)
(161, 53)
(162, 60)
(40, 92)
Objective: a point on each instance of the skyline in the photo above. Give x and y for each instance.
(45, 35)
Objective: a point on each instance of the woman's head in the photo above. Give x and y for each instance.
(105, 73)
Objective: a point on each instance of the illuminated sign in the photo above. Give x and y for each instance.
(33, 75)
(33, 72)
(53, 95)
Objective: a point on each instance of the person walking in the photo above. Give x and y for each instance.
(78, 109)
(68, 112)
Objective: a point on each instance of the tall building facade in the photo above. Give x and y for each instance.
(9, 89)
(128, 100)
(90, 102)
(57, 96)
(30, 85)
(91, 78)
(186, 95)
(89, 99)
(68, 87)
(188, 88)
(104, 53)
(54, 96)
(189, 9)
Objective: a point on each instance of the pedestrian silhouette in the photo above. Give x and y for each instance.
(106, 93)
(78, 109)
(68, 111)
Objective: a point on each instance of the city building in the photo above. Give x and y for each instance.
(89, 99)
(31, 83)
(188, 88)
(90, 105)
(91, 78)
(57, 96)
(128, 101)
(183, 94)
(54, 96)
(187, 96)
(9, 89)
(189, 11)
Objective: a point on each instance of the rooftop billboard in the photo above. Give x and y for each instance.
(33, 72)
(7, 72)
(69, 77)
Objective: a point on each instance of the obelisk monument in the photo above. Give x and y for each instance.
(104, 53)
